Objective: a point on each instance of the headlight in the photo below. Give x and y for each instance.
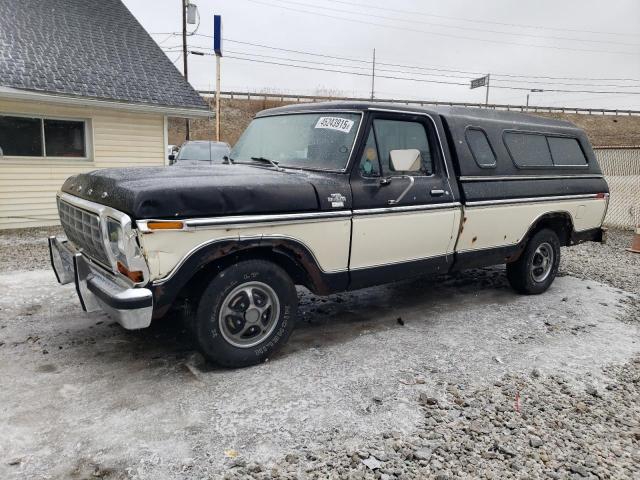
(118, 251)
(116, 241)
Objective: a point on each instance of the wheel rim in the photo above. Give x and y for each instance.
(542, 262)
(249, 314)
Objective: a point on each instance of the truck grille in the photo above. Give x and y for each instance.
(83, 230)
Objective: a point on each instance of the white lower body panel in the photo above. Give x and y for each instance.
(497, 225)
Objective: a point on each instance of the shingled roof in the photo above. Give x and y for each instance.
(93, 49)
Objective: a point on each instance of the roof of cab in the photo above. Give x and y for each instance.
(468, 115)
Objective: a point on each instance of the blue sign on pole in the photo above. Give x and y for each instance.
(217, 34)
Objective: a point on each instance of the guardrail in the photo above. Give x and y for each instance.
(291, 98)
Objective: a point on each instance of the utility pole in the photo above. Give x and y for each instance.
(527, 100)
(486, 101)
(184, 53)
(373, 74)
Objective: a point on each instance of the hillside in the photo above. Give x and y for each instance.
(603, 130)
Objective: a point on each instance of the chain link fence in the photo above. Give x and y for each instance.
(621, 168)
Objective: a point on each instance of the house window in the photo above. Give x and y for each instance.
(42, 137)
(21, 136)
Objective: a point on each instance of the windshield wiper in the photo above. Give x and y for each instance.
(227, 160)
(273, 163)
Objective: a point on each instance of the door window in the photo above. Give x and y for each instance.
(401, 135)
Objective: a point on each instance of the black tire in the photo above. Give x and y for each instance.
(525, 275)
(215, 339)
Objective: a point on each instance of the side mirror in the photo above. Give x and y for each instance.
(408, 160)
(172, 158)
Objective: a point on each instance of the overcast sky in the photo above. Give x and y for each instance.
(457, 40)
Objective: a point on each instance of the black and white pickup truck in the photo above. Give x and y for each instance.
(331, 196)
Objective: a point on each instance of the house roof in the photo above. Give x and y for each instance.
(94, 50)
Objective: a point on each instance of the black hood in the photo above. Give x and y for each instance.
(211, 190)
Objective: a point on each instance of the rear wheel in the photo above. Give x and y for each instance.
(538, 265)
(246, 313)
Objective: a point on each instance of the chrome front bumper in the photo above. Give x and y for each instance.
(99, 290)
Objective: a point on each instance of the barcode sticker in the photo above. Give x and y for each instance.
(335, 123)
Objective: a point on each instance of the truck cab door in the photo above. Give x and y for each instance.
(405, 223)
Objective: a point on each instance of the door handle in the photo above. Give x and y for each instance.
(405, 191)
(437, 192)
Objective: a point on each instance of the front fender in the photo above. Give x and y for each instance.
(295, 257)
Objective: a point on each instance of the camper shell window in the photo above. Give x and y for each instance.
(566, 152)
(480, 147)
(528, 149)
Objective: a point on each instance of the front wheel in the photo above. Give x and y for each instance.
(538, 265)
(246, 313)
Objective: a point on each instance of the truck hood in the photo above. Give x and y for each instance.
(211, 190)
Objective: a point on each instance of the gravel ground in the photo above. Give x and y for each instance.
(25, 248)
(608, 263)
(522, 426)
(454, 378)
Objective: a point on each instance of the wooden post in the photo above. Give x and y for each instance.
(218, 98)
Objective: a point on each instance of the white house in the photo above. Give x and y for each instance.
(82, 86)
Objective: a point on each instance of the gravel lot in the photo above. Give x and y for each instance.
(453, 378)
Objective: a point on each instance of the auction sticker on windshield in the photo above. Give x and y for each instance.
(335, 123)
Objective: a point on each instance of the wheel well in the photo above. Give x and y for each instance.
(283, 258)
(559, 222)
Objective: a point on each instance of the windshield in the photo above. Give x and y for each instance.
(320, 141)
(202, 152)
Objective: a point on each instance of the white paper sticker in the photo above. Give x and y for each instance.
(335, 123)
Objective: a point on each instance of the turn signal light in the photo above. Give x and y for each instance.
(135, 277)
(602, 195)
(165, 225)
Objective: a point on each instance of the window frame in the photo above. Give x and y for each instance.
(88, 139)
(427, 122)
(495, 157)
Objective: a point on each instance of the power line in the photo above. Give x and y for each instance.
(417, 67)
(534, 82)
(362, 74)
(287, 49)
(537, 27)
(405, 29)
(466, 84)
(314, 62)
(439, 25)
